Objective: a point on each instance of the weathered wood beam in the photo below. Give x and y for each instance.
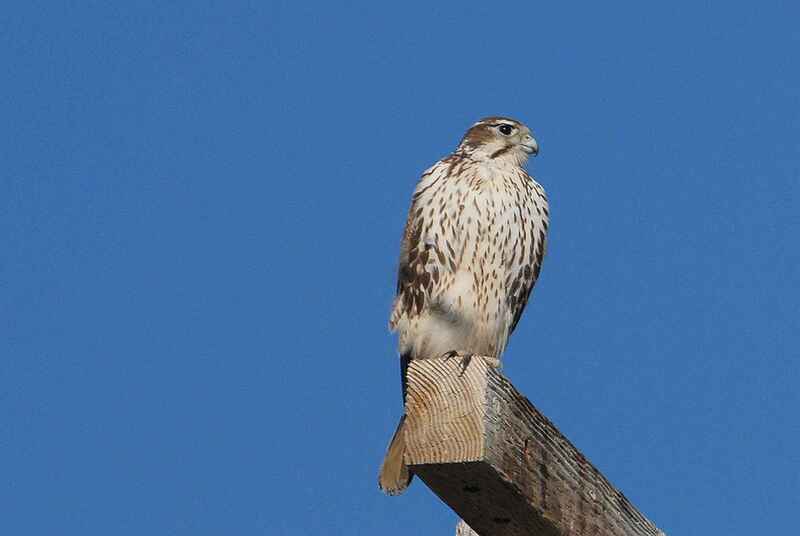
(500, 464)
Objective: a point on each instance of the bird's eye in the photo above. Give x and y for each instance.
(505, 130)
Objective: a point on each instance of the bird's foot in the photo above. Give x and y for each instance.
(466, 359)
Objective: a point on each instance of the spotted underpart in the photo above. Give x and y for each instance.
(473, 246)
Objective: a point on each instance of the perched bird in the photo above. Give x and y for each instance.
(471, 252)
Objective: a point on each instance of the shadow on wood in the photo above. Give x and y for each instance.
(500, 464)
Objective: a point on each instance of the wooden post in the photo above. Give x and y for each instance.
(462, 529)
(500, 464)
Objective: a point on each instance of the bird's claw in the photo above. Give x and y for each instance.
(449, 355)
(466, 358)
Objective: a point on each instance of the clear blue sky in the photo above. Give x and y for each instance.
(200, 211)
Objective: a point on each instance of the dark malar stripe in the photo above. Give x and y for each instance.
(500, 151)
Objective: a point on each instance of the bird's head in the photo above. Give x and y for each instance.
(499, 137)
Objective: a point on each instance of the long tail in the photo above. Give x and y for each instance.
(394, 476)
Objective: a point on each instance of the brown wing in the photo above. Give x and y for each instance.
(422, 262)
(535, 218)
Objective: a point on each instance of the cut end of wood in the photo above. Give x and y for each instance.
(462, 529)
(500, 464)
(445, 413)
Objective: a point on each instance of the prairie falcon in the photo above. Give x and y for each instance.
(471, 252)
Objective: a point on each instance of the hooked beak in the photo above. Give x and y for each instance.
(529, 145)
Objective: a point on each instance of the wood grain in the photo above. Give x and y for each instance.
(500, 464)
